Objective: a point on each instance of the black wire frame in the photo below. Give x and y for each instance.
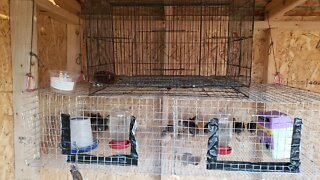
(125, 38)
(284, 167)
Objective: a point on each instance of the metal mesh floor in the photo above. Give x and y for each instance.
(173, 81)
(170, 85)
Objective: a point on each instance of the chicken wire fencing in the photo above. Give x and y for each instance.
(259, 137)
(165, 43)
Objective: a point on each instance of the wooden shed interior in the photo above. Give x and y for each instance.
(160, 61)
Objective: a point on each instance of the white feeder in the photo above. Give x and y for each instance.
(81, 133)
(62, 80)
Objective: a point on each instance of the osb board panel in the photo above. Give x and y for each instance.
(52, 47)
(6, 136)
(298, 59)
(6, 120)
(5, 58)
(51, 174)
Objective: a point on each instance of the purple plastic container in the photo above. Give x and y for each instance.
(275, 132)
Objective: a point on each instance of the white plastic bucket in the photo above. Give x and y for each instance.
(81, 133)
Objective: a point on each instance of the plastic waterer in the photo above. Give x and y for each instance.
(225, 135)
(119, 128)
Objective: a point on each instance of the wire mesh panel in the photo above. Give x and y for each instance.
(171, 135)
(240, 42)
(169, 43)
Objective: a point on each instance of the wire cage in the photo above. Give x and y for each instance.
(188, 136)
(166, 43)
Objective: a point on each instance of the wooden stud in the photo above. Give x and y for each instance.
(278, 8)
(21, 29)
(288, 25)
(269, 60)
(73, 48)
(70, 5)
(57, 12)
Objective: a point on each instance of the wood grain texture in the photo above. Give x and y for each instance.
(57, 12)
(6, 111)
(297, 58)
(5, 51)
(73, 48)
(6, 135)
(259, 55)
(21, 15)
(71, 5)
(277, 8)
(52, 47)
(289, 25)
(182, 52)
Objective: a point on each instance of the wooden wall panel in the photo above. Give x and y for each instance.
(6, 136)
(5, 58)
(297, 58)
(260, 53)
(6, 114)
(146, 47)
(52, 47)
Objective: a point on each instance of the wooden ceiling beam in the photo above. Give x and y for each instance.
(70, 5)
(57, 12)
(287, 25)
(277, 8)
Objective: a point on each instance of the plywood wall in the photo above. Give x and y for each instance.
(298, 58)
(52, 47)
(6, 114)
(296, 54)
